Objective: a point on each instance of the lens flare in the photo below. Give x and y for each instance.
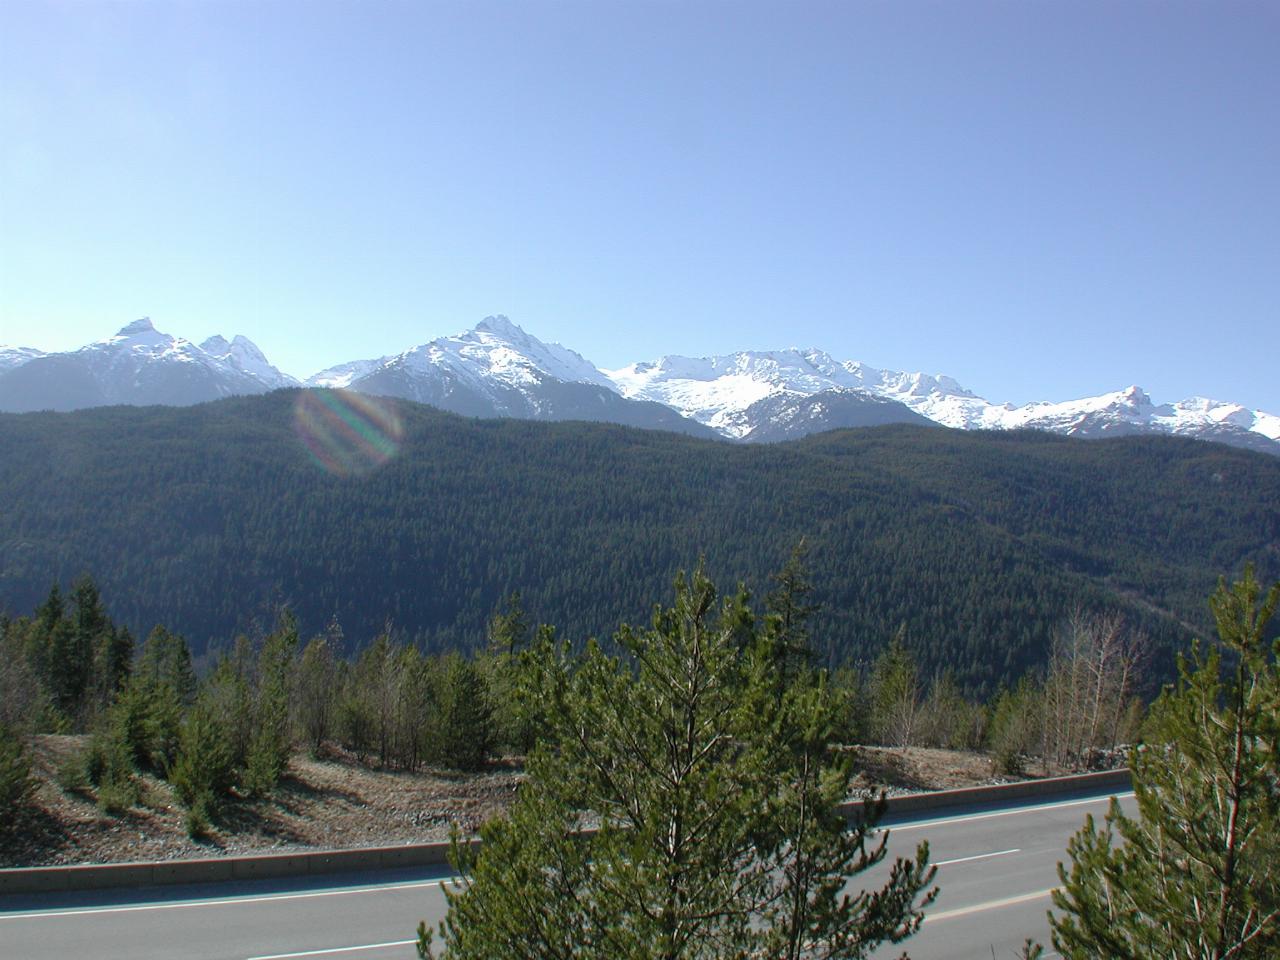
(348, 434)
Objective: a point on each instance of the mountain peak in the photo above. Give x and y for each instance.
(497, 368)
(1134, 396)
(500, 325)
(139, 326)
(216, 346)
(244, 347)
(138, 365)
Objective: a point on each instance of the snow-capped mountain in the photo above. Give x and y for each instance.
(789, 416)
(139, 365)
(722, 391)
(243, 355)
(341, 376)
(497, 369)
(765, 396)
(495, 351)
(11, 357)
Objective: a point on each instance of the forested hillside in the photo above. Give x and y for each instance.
(208, 519)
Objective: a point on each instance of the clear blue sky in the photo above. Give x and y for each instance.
(1044, 200)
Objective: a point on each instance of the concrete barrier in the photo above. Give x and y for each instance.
(204, 870)
(308, 863)
(1082, 783)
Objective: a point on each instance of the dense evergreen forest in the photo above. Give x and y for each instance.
(210, 519)
(230, 735)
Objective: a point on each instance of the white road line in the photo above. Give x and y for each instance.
(320, 953)
(978, 856)
(989, 905)
(921, 824)
(183, 904)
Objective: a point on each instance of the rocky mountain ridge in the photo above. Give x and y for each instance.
(139, 365)
(498, 369)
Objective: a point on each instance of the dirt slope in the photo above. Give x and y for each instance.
(337, 802)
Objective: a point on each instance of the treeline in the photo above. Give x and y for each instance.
(68, 668)
(704, 752)
(1072, 716)
(229, 735)
(211, 518)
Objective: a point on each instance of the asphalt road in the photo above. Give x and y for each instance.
(995, 868)
(995, 871)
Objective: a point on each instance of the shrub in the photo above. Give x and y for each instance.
(118, 794)
(95, 758)
(107, 763)
(196, 821)
(268, 757)
(71, 775)
(204, 769)
(16, 783)
(127, 723)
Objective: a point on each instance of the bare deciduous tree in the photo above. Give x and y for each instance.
(1096, 663)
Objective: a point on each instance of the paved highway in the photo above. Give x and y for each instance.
(995, 868)
(995, 871)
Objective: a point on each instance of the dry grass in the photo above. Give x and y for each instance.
(334, 802)
(338, 802)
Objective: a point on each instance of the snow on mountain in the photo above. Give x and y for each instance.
(1120, 411)
(788, 416)
(718, 391)
(495, 351)
(755, 395)
(1131, 411)
(725, 392)
(1200, 413)
(139, 365)
(498, 350)
(11, 357)
(243, 354)
(139, 344)
(497, 369)
(936, 397)
(341, 376)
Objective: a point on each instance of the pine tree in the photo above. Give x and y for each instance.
(947, 719)
(52, 610)
(69, 667)
(787, 612)
(112, 663)
(317, 675)
(98, 665)
(1196, 874)
(16, 782)
(713, 805)
(368, 710)
(461, 730)
(500, 670)
(24, 699)
(229, 694)
(413, 706)
(1015, 729)
(272, 742)
(166, 659)
(895, 694)
(205, 766)
(509, 628)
